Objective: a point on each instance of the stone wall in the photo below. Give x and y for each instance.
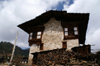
(52, 38)
(72, 43)
(53, 35)
(34, 48)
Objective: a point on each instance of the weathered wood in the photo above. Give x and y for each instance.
(34, 41)
(36, 28)
(84, 50)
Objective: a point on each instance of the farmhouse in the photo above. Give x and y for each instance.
(54, 30)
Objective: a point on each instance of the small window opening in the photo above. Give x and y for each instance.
(31, 35)
(38, 35)
(34, 35)
(75, 28)
(64, 45)
(75, 31)
(41, 46)
(66, 31)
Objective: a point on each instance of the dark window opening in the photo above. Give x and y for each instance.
(35, 59)
(70, 31)
(64, 45)
(41, 46)
(34, 35)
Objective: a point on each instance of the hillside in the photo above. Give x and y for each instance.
(6, 48)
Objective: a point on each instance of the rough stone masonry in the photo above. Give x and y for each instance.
(52, 38)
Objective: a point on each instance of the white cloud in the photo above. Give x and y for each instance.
(14, 12)
(92, 7)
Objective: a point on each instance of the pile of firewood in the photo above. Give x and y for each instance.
(59, 57)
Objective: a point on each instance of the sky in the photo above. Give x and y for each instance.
(15, 12)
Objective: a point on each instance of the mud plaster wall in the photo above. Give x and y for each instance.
(53, 35)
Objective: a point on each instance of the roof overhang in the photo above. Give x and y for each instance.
(63, 16)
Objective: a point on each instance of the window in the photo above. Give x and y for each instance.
(64, 45)
(71, 31)
(31, 35)
(66, 31)
(34, 35)
(75, 31)
(38, 35)
(75, 28)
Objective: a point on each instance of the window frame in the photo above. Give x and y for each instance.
(66, 31)
(75, 30)
(39, 34)
(31, 35)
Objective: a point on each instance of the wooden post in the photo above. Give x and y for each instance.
(13, 49)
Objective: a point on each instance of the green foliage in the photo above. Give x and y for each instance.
(6, 48)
